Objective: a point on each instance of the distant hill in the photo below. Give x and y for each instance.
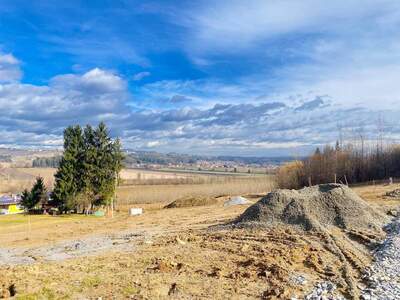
(51, 158)
(147, 157)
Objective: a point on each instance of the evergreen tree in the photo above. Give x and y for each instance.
(107, 165)
(89, 170)
(38, 192)
(37, 195)
(68, 177)
(26, 200)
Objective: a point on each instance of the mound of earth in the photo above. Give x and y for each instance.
(191, 201)
(314, 208)
(238, 200)
(393, 194)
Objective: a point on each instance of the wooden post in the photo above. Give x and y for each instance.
(335, 178)
(309, 181)
(112, 207)
(345, 178)
(115, 195)
(29, 225)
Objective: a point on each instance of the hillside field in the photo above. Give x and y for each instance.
(178, 253)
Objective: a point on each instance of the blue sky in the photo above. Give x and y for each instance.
(257, 77)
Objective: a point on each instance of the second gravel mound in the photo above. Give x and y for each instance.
(313, 208)
(191, 201)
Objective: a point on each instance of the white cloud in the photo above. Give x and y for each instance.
(93, 81)
(9, 68)
(153, 144)
(234, 25)
(139, 76)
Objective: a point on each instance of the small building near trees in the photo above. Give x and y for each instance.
(10, 204)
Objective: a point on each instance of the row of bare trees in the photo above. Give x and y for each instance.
(349, 163)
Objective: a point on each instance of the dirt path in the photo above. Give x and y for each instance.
(88, 246)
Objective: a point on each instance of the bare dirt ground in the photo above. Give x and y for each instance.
(179, 253)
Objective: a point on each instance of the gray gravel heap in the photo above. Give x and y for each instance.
(315, 208)
(324, 291)
(383, 277)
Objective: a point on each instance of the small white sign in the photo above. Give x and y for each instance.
(135, 211)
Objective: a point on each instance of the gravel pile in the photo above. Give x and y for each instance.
(315, 208)
(383, 277)
(324, 291)
(191, 201)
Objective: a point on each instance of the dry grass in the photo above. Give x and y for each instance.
(229, 186)
(14, 180)
(133, 174)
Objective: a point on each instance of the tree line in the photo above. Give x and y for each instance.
(346, 164)
(46, 162)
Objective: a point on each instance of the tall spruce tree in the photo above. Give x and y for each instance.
(89, 171)
(68, 179)
(108, 164)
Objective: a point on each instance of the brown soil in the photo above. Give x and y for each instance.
(191, 201)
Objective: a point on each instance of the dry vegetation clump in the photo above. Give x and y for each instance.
(314, 208)
(191, 201)
(290, 175)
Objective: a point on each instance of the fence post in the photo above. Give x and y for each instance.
(335, 178)
(309, 181)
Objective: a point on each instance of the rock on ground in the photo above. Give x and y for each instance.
(324, 291)
(238, 200)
